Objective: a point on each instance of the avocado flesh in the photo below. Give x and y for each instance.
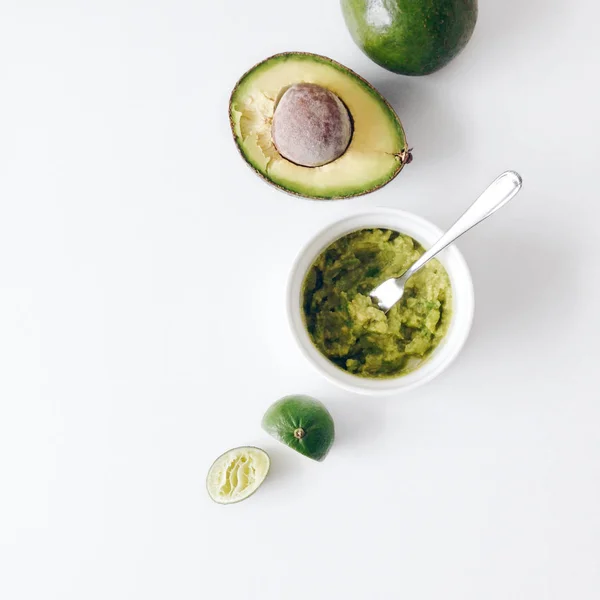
(377, 150)
(411, 37)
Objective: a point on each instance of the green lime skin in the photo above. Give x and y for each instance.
(411, 37)
(302, 423)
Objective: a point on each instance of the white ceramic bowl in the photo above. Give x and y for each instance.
(462, 301)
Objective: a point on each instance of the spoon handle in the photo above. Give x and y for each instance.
(499, 192)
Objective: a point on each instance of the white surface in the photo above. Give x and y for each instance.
(427, 234)
(124, 206)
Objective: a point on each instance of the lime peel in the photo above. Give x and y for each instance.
(302, 423)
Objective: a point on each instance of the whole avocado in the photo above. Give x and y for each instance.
(411, 37)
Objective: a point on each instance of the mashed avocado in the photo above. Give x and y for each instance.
(343, 322)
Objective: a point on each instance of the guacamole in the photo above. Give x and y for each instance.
(350, 330)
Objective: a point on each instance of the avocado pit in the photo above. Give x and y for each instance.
(311, 125)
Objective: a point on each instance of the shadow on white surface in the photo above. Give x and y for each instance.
(432, 130)
(284, 465)
(513, 18)
(358, 420)
(522, 282)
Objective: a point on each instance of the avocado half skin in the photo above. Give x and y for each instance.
(411, 37)
(405, 159)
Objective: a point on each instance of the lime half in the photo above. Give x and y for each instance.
(302, 423)
(237, 474)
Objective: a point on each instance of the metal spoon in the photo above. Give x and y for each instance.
(503, 189)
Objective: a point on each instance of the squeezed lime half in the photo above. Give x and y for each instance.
(237, 474)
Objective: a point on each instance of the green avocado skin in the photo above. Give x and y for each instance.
(411, 37)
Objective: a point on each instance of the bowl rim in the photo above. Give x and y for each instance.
(426, 233)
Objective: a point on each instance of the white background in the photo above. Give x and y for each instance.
(142, 330)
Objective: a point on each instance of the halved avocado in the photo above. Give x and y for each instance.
(377, 150)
